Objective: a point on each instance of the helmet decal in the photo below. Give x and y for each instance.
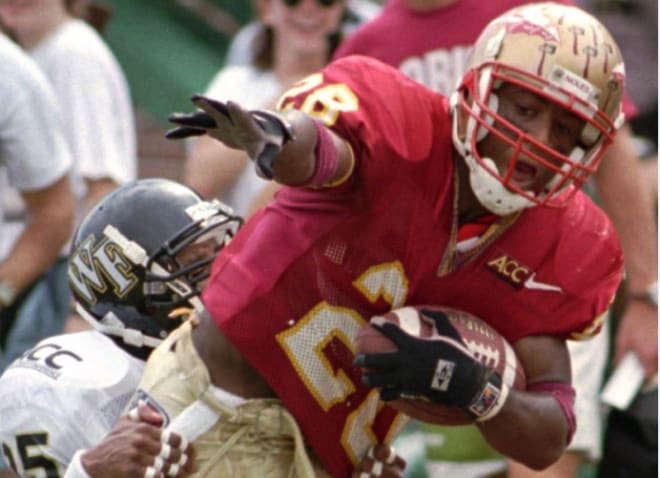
(534, 24)
(92, 266)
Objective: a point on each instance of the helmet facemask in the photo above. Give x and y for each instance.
(170, 283)
(477, 112)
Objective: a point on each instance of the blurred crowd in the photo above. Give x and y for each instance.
(68, 137)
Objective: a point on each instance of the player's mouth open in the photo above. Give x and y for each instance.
(524, 175)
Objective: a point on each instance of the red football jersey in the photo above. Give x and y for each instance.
(304, 275)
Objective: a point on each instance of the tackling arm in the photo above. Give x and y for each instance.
(135, 447)
(290, 147)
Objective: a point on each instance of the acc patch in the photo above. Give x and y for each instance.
(508, 269)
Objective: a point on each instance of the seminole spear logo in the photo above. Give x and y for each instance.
(537, 26)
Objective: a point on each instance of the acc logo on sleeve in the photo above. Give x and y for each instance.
(518, 275)
(95, 268)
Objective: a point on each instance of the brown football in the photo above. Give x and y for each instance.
(485, 343)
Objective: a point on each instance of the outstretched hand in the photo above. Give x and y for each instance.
(260, 133)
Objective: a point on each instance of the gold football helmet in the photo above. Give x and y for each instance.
(563, 55)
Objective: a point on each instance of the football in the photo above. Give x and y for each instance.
(485, 343)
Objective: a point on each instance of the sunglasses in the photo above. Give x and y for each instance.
(323, 3)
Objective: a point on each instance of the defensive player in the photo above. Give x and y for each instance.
(395, 197)
(134, 275)
(141, 253)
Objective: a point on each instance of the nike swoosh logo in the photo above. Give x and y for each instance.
(530, 283)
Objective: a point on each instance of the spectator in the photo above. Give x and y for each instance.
(294, 39)
(97, 122)
(428, 41)
(631, 437)
(241, 51)
(634, 24)
(35, 157)
(393, 198)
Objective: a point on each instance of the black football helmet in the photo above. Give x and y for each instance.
(124, 268)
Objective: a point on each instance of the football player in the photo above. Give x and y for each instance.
(142, 253)
(435, 55)
(394, 195)
(139, 261)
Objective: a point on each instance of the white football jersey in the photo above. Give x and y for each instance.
(63, 395)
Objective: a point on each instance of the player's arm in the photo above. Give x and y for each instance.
(533, 427)
(289, 147)
(136, 447)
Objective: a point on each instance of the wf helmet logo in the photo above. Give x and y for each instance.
(94, 269)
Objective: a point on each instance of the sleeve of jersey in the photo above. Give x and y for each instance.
(589, 263)
(378, 110)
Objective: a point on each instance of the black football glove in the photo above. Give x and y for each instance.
(440, 370)
(260, 133)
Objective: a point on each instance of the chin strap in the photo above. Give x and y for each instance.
(111, 325)
(489, 190)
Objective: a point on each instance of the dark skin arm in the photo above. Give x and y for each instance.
(131, 446)
(295, 163)
(237, 128)
(531, 427)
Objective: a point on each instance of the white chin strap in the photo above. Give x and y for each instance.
(490, 192)
(111, 325)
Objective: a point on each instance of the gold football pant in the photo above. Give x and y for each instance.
(258, 438)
